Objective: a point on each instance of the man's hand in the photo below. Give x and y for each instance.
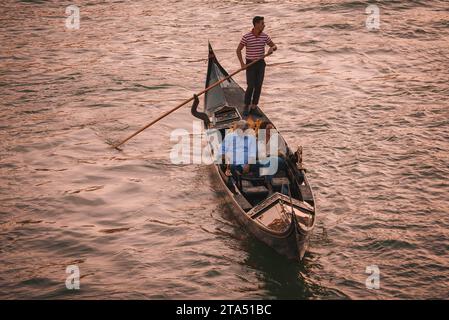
(272, 49)
(239, 54)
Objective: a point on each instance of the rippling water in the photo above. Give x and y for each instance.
(370, 108)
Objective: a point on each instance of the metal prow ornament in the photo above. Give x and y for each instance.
(299, 158)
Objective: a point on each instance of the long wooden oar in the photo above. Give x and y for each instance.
(187, 101)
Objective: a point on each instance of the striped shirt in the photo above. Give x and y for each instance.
(255, 46)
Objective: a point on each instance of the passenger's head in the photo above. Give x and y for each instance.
(242, 125)
(251, 122)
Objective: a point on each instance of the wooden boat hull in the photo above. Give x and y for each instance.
(289, 233)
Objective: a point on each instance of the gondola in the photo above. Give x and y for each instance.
(282, 217)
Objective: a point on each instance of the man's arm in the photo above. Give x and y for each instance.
(239, 54)
(272, 46)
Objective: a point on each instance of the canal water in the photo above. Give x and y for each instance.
(364, 89)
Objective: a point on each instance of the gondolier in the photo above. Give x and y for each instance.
(255, 42)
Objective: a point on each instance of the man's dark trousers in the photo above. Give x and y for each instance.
(254, 79)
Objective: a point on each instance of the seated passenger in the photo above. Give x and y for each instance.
(269, 138)
(239, 149)
(271, 152)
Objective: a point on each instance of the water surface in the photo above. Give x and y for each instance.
(369, 107)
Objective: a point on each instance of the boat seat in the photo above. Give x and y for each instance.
(257, 191)
(247, 184)
(281, 184)
(278, 182)
(250, 190)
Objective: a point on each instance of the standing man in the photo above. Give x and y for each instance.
(255, 42)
